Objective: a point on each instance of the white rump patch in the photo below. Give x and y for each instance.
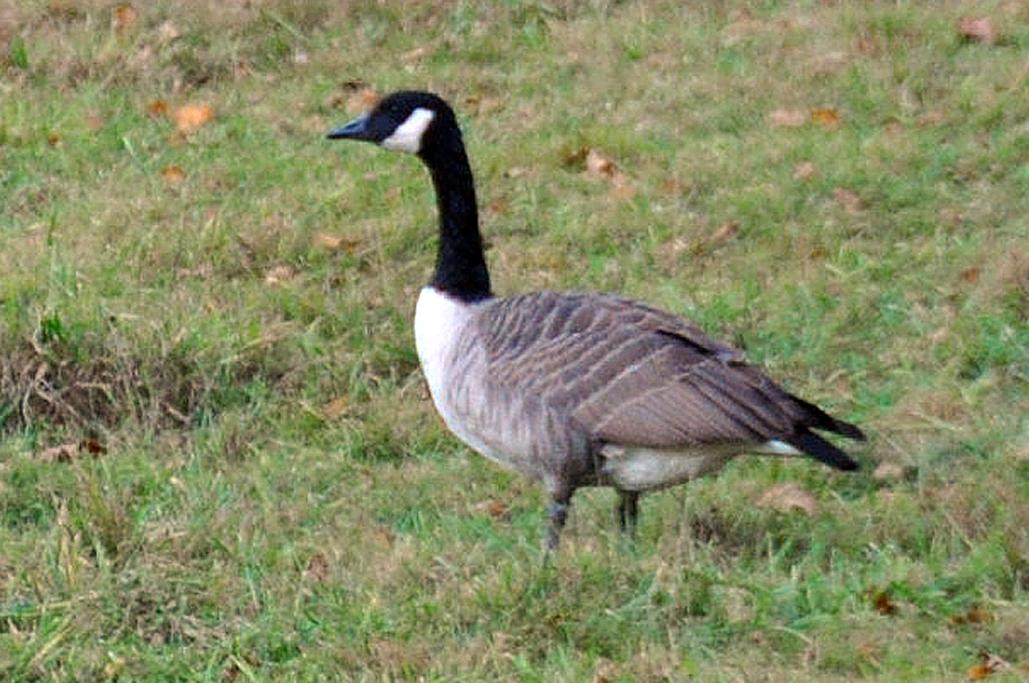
(776, 447)
(408, 135)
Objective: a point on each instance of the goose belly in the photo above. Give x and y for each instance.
(454, 367)
(643, 469)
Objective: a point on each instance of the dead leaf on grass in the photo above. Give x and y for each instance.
(788, 496)
(787, 118)
(362, 99)
(172, 174)
(334, 243)
(317, 568)
(168, 31)
(600, 166)
(976, 615)
(805, 170)
(54, 139)
(724, 233)
(989, 665)
(124, 17)
(68, 452)
(190, 117)
(826, 117)
(494, 508)
(977, 30)
(970, 275)
(335, 408)
(888, 471)
(848, 199)
(884, 604)
(417, 54)
(278, 275)
(157, 108)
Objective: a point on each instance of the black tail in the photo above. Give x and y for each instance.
(819, 419)
(820, 449)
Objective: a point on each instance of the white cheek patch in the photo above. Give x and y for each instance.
(408, 135)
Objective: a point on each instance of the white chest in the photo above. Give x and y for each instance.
(439, 322)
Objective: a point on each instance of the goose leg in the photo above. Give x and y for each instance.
(558, 514)
(628, 511)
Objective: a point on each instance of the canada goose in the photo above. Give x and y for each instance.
(576, 389)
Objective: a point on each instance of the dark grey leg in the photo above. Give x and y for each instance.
(558, 514)
(628, 511)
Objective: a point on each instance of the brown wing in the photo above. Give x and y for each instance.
(633, 375)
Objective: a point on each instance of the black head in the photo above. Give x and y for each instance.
(405, 121)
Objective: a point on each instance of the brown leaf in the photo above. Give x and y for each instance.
(125, 17)
(317, 568)
(826, 117)
(335, 407)
(977, 30)
(333, 243)
(787, 118)
(847, 199)
(598, 165)
(979, 672)
(157, 108)
(970, 275)
(481, 106)
(93, 447)
(54, 139)
(884, 604)
(494, 508)
(788, 496)
(168, 31)
(172, 174)
(363, 99)
(888, 471)
(930, 118)
(976, 615)
(278, 275)
(191, 117)
(724, 233)
(68, 452)
(415, 55)
(805, 170)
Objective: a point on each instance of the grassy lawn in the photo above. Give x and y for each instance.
(218, 460)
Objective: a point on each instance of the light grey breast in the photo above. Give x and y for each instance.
(576, 371)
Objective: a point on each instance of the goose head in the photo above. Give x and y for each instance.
(405, 121)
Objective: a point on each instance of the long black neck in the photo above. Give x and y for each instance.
(460, 264)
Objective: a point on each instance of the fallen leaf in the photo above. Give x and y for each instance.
(930, 118)
(71, 451)
(481, 106)
(415, 54)
(191, 117)
(977, 30)
(970, 275)
(787, 118)
(53, 139)
(168, 31)
(335, 408)
(278, 275)
(788, 496)
(724, 233)
(515, 172)
(125, 17)
(805, 170)
(884, 604)
(847, 199)
(172, 174)
(979, 672)
(493, 508)
(598, 165)
(976, 615)
(93, 447)
(888, 471)
(157, 108)
(333, 243)
(317, 568)
(826, 117)
(363, 99)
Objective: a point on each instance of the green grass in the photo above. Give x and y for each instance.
(233, 529)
